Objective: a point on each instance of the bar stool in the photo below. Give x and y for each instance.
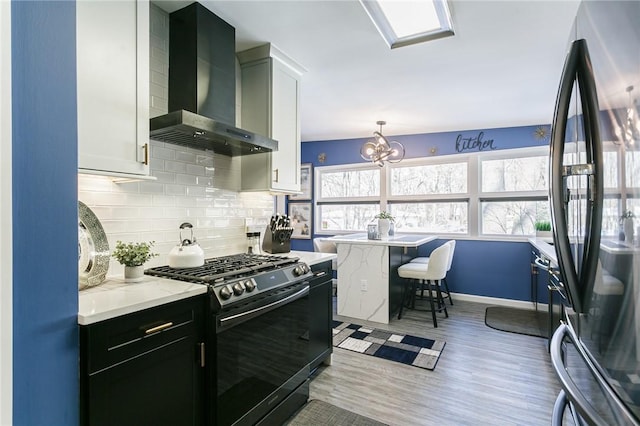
(426, 273)
(452, 247)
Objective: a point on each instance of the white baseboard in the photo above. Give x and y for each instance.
(522, 304)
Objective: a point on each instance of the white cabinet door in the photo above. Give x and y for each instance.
(113, 86)
(271, 106)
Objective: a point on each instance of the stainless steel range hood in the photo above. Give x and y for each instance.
(202, 87)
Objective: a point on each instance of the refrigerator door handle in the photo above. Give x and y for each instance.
(570, 393)
(577, 66)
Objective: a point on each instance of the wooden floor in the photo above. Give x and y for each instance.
(483, 377)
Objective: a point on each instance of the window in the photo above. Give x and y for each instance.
(347, 197)
(514, 193)
(429, 179)
(487, 194)
(434, 217)
(350, 184)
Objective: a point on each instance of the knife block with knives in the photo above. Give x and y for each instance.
(277, 237)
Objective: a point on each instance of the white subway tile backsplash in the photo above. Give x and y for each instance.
(151, 187)
(186, 179)
(175, 166)
(204, 180)
(194, 169)
(166, 177)
(179, 213)
(195, 191)
(187, 157)
(162, 153)
(173, 189)
(205, 160)
(163, 200)
(138, 200)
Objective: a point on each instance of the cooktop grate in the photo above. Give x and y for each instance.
(217, 269)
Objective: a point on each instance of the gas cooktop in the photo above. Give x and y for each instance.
(218, 269)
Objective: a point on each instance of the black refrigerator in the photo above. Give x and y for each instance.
(595, 205)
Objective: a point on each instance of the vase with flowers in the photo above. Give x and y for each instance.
(385, 221)
(133, 256)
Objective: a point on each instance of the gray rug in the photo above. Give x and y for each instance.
(514, 320)
(318, 413)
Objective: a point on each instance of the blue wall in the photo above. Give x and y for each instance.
(483, 268)
(45, 218)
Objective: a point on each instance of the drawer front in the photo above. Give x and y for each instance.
(323, 266)
(113, 341)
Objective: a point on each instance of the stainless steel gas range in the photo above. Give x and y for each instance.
(257, 361)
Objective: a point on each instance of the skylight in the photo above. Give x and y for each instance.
(405, 22)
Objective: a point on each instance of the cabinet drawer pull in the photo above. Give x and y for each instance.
(158, 328)
(146, 154)
(276, 172)
(202, 355)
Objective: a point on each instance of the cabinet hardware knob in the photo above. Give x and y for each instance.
(158, 328)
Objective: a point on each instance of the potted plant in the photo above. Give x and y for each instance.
(384, 223)
(133, 256)
(543, 229)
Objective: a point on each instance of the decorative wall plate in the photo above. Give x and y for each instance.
(93, 249)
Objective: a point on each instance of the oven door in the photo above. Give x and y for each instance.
(262, 355)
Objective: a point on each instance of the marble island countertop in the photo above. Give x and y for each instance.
(398, 240)
(114, 297)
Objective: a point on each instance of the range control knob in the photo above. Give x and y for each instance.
(238, 288)
(301, 269)
(249, 286)
(225, 292)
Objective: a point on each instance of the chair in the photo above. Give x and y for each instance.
(325, 245)
(452, 244)
(429, 274)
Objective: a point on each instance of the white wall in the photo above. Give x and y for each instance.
(6, 239)
(193, 186)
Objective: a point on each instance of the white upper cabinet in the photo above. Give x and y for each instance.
(271, 107)
(113, 87)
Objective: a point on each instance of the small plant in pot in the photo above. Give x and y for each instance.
(543, 229)
(384, 223)
(133, 256)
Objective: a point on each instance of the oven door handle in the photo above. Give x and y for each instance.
(233, 320)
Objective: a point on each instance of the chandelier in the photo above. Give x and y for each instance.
(380, 149)
(630, 132)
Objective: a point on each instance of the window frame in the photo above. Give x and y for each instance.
(473, 197)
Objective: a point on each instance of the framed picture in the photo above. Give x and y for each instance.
(301, 220)
(306, 179)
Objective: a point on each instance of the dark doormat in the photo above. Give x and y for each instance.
(514, 320)
(316, 413)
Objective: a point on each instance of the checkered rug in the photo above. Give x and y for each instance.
(403, 348)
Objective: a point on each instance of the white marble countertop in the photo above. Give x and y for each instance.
(312, 257)
(398, 240)
(114, 297)
(546, 249)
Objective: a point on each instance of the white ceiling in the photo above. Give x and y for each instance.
(501, 68)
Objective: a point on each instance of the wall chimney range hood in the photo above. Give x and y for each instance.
(202, 87)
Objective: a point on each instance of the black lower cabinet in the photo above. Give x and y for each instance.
(320, 314)
(144, 368)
